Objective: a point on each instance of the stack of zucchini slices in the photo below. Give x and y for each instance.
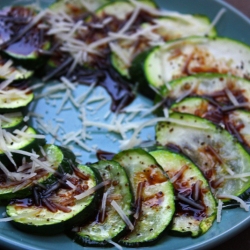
(202, 150)
(203, 83)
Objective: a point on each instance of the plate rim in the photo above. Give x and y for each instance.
(212, 242)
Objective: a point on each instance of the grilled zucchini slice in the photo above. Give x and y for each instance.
(23, 50)
(212, 86)
(25, 139)
(11, 121)
(211, 148)
(236, 122)
(193, 55)
(108, 224)
(195, 204)
(19, 184)
(163, 29)
(154, 197)
(56, 209)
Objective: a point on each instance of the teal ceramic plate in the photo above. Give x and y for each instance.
(234, 25)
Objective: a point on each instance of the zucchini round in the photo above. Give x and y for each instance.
(58, 159)
(192, 55)
(211, 148)
(14, 99)
(25, 49)
(164, 29)
(236, 122)
(196, 217)
(26, 142)
(11, 121)
(212, 86)
(154, 197)
(10, 71)
(51, 216)
(108, 224)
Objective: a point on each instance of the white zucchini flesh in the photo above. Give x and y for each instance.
(242, 118)
(41, 216)
(120, 10)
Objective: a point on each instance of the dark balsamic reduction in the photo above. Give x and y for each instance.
(119, 89)
(152, 177)
(25, 202)
(101, 70)
(28, 44)
(154, 200)
(185, 189)
(12, 21)
(181, 208)
(104, 155)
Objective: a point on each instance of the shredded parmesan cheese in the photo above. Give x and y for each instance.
(114, 244)
(233, 197)
(219, 210)
(92, 190)
(123, 215)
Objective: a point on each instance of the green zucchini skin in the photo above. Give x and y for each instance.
(30, 62)
(24, 51)
(21, 73)
(60, 159)
(45, 222)
(193, 105)
(16, 121)
(157, 208)
(120, 9)
(211, 148)
(62, 155)
(188, 222)
(27, 144)
(96, 232)
(17, 104)
(137, 74)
